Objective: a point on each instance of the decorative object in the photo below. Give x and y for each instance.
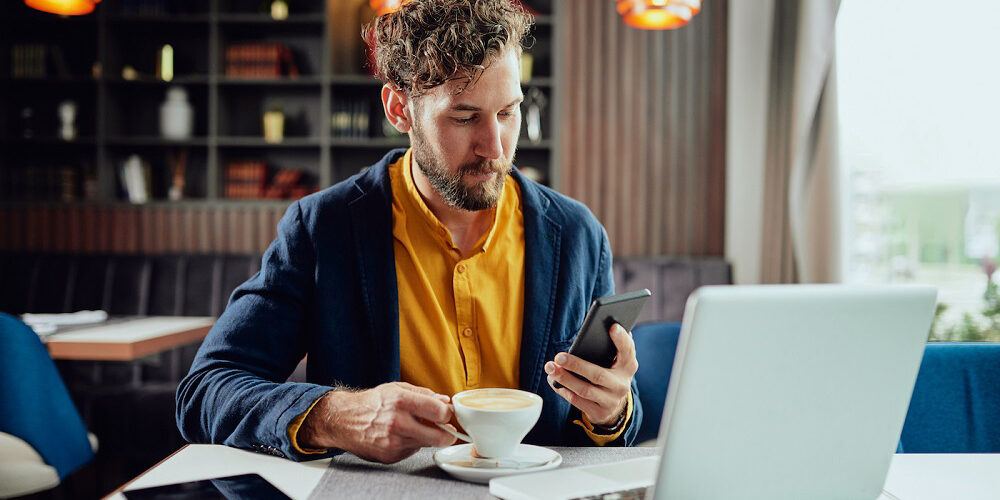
(63, 7)
(27, 122)
(534, 102)
(67, 119)
(274, 125)
(165, 63)
(658, 14)
(279, 10)
(178, 166)
(176, 115)
(386, 6)
(129, 73)
(527, 60)
(135, 179)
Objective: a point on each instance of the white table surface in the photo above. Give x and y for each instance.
(911, 476)
(132, 330)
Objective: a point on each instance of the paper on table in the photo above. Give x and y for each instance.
(47, 324)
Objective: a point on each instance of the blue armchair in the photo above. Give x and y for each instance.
(42, 438)
(655, 345)
(955, 407)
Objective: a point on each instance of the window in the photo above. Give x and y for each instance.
(919, 98)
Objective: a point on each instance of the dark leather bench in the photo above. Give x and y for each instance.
(171, 285)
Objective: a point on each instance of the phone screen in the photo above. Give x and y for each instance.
(249, 486)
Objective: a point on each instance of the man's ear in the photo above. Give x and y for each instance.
(398, 111)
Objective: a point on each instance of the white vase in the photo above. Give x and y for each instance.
(176, 115)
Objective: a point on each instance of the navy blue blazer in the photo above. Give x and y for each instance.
(327, 287)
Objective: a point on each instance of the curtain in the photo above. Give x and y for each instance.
(801, 195)
(642, 127)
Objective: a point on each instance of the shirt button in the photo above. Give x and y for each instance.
(467, 332)
(460, 268)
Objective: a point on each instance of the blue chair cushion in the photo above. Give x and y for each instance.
(36, 406)
(955, 407)
(655, 345)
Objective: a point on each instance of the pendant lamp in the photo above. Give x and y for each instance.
(658, 14)
(63, 7)
(386, 6)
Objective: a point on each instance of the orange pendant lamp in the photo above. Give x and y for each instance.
(63, 7)
(386, 6)
(658, 14)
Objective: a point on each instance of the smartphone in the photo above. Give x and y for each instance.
(592, 341)
(249, 486)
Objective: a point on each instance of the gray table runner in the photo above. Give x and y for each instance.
(417, 477)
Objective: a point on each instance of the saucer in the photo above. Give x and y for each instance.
(458, 461)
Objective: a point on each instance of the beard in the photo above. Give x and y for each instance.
(480, 196)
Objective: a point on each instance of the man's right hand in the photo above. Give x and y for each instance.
(385, 424)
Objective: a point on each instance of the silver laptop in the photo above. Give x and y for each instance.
(777, 392)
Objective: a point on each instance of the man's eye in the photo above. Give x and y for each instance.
(506, 114)
(465, 120)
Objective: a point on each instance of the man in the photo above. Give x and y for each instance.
(438, 269)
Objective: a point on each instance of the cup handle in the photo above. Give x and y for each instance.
(458, 435)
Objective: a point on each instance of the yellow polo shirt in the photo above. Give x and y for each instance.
(460, 316)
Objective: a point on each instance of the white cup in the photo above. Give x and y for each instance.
(496, 420)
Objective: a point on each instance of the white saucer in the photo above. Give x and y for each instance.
(458, 461)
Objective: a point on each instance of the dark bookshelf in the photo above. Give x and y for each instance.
(118, 110)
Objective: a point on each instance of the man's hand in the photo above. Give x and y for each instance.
(603, 398)
(385, 424)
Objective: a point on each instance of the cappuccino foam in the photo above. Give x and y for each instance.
(489, 400)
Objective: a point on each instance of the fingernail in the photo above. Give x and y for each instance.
(549, 368)
(560, 358)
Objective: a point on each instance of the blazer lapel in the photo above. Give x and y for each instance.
(371, 220)
(541, 275)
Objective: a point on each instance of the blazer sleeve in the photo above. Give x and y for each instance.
(604, 285)
(235, 393)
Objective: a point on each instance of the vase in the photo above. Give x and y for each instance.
(176, 115)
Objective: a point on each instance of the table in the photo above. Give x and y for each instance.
(911, 476)
(127, 339)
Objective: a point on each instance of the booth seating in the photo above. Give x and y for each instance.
(172, 285)
(955, 407)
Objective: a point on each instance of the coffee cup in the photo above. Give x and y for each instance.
(496, 420)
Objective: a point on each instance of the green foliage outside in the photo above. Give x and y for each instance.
(985, 328)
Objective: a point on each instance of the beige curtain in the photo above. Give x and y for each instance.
(642, 127)
(801, 199)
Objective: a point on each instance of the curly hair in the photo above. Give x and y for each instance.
(427, 43)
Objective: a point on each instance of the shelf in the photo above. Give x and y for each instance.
(258, 142)
(155, 141)
(188, 202)
(72, 80)
(161, 18)
(284, 81)
(538, 82)
(49, 141)
(371, 142)
(363, 80)
(180, 80)
(266, 19)
(543, 19)
(526, 144)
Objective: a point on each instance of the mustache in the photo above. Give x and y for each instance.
(485, 167)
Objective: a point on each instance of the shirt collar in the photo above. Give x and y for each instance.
(484, 243)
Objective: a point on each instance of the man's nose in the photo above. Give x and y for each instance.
(488, 142)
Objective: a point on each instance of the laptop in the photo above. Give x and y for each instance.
(776, 392)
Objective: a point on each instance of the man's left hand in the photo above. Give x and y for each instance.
(604, 397)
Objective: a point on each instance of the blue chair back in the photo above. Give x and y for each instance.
(955, 407)
(655, 345)
(35, 404)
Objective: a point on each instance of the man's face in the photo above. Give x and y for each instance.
(464, 143)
